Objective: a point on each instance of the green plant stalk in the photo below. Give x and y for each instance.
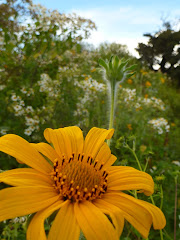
(147, 160)
(161, 234)
(137, 160)
(175, 207)
(112, 106)
(161, 205)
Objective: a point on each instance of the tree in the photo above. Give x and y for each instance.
(162, 50)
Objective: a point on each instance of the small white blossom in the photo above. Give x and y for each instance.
(19, 220)
(23, 90)
(22, 103)
(17, 107)
(14, 97)
(2, 87)
(27, 132)
(29, 109)
(178, 164)
(3, 131)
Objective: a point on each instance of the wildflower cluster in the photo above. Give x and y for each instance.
(32, 123)
(152, 102)
(18, 105)
(91, 88)
(49, 86)
(160, 124)
(70, 23)
(129, 96)
(27, 91)
(31, 119)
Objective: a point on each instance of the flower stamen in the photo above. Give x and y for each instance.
(79, 178)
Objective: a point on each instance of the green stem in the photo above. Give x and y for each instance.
(135, 194)
(161, 234)
(175, 207)
(152, 200)
(112, 103)
(137, 160)
(161, 205)
(147, 161)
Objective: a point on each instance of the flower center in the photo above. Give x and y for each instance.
(79, 179)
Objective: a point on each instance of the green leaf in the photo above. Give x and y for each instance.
(103, 64)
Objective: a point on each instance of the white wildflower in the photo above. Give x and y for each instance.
(27, 132)
(14, 97)
(2, 87)
(3, 131)
(29, 109)
(176, 163)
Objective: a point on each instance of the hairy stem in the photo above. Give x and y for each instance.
(112, 104)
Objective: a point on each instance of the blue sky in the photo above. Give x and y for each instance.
(120, 21)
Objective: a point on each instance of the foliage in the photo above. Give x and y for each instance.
(162, 50)
(48, 78)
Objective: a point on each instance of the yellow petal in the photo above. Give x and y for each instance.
(127, 178)
(65, 225)
(104, 156)
(46, 150)
(133, 212)
(114, 212)
(66, 140)
(77, 140)
(95, 139)
(159, 220)
(22, 150)
(20, 201)
(94, 224)
(25, 177)
(36, 226)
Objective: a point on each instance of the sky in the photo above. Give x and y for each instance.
(120, 21)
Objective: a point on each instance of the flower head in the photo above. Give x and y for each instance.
(129, 81)
(80, 182)
(116, 70)
(148, 84)
(129, 126)
(162, 80)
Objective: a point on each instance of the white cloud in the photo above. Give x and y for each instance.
(124, 25)
(119, 25)
(131, 42)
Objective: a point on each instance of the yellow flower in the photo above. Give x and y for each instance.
(93, 70)
(86, 78)
(146, 96)
(79, 183)
(148, 84)
(143, 72)
(139, 108)
(129, 126)
(160, 178)
(173, 124)
(129, 81)
(162, 80)
(143, 148)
